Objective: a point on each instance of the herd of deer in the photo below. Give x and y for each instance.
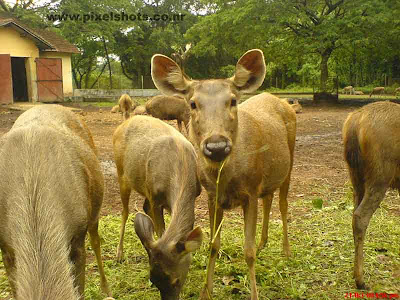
(52, 184)
(380, 90)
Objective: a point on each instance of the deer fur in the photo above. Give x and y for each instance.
(372, 153)
(115, 109)
(295, 104)
(377, 91)
(255, 139)
(348, 90)
(126, 105)
(50, 196)
(169, 108)
(140, 110)
(158, 162)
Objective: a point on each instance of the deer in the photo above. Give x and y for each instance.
(380, 90)
(140, 110)
(126, 105)
(372, 153)
(158, 162)
(169, 108)
(51, 193)
(295, 104)
(252, 142)
(348, 90)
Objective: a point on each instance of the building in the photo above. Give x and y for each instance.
(35, 65)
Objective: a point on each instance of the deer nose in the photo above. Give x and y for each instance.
(217, 148)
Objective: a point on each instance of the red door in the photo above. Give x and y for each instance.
(6, 88)
(49, 79)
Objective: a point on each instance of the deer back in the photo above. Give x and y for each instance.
(49, 170)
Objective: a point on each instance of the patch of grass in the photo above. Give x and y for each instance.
(320, 267)
(97, 104)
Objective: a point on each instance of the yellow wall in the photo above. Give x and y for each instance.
(13, 44)
(66, 70)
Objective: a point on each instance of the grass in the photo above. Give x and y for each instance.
(320, 266)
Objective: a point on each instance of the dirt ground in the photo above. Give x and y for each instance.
(318, 155)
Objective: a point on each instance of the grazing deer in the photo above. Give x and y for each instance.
(158, 162)
(348, 90)
(140, 110)
(50, 196)
(126, 105)
(380, 90)
(255, 139)
(372, 153)
(169, 108)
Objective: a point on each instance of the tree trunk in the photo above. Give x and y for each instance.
(88, 72)
(108, 61)
(75, 77)
(325, 55)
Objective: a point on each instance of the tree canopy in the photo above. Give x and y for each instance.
(303, 41)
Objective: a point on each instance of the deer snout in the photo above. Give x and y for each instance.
(217, 148)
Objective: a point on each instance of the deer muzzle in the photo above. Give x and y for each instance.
(217, 148)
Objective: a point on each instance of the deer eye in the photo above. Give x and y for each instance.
(233, 102)
(193, 105)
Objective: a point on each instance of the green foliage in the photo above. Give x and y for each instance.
(304, 42)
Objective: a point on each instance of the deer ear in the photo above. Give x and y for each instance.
(144, 229)
(194, 240)
(250, 71)
(168, 76)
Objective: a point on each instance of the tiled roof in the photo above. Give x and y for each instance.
(46, 40)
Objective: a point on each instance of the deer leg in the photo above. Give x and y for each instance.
(95, 242)
(125, 191)
(9, 264)
(283, 207)
(78, 257)
(250, 226)
(361, 217)
(267, 203)
(206, 293)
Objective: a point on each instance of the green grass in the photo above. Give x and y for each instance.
(320, 266)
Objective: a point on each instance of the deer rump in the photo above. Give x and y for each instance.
(50, 195)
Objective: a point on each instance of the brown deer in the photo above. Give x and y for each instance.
(380, 90)
(372, 152)
(169, 108)
(50, 196)
(255, 140)
(158, 162)
(140, 110)
(126, 105)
